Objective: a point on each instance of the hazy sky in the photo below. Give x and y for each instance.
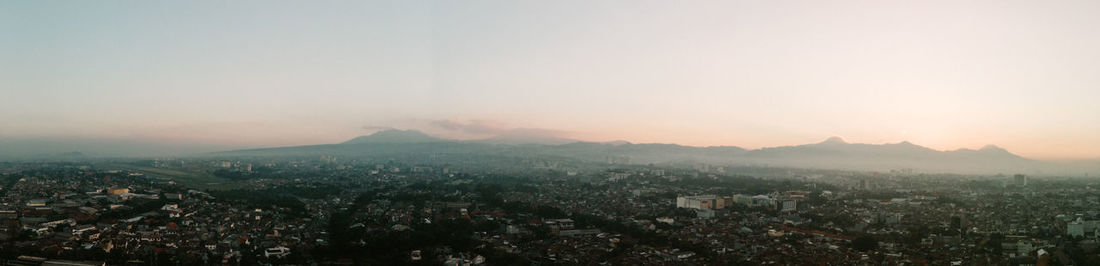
(1024, 75)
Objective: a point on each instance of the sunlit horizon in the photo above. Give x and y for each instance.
(941, 74)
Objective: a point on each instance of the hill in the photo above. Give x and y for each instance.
(394, 136)
(833, 153)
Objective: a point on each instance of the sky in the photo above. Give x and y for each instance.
(1022, 75)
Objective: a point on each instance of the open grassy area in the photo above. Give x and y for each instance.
(196, 180)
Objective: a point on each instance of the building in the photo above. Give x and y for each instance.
(118, 191)
(789, 205)
(742, 199)
(564, 224)
(704, 213)
(8, 214)
(1021, 180)
(616, 176)
(1075, 229)
(579, 232)
(702, 202)
(36, 203)
(277, 252)
(80, 230)
(1080, 226)
(762, 201)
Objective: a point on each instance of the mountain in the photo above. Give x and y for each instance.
(837, 147)
(51, 148)
(616, 142)
(395, 136)
(511, 137)
(834, 140)
(644, 153)
(527, 136)
(833, 153)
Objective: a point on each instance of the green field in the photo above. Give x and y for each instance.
(196, 180)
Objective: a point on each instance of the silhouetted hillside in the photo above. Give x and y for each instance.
(833, 153)
(394, 136)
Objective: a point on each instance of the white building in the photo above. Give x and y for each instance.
(789, 205)
(279, 252)
(1080, 226)
(702, 202)
(1024, 248)
(614, 176)
(762, 201)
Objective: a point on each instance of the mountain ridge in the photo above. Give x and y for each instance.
(394, 136)
(518, 138)
(833, 153)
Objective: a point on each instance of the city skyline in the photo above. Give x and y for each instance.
(941, 74)
(565, 132)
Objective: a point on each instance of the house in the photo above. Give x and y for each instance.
(277, 252)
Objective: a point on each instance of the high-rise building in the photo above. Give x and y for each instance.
(1076, 228)
(703, 202)
(1021, 180)
(789, 205)
(616, 176)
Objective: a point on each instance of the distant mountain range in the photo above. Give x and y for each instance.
(833, 153)
(395, 136)
(515, 137)
(76, 149)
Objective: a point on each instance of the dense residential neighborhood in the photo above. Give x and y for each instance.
(327, 210)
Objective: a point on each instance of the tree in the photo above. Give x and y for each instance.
(864, 243)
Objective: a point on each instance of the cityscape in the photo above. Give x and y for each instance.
(563, 132)
(486, 209)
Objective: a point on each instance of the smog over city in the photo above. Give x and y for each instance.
(549, 132)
